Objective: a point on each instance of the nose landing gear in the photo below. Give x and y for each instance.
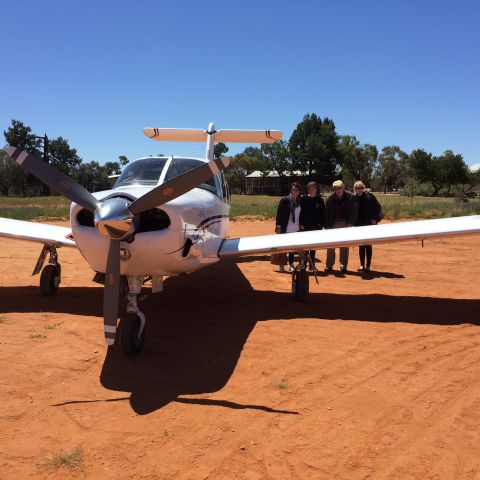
(131, 331)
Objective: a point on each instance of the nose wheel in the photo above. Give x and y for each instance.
(131, 330)
(131, 334)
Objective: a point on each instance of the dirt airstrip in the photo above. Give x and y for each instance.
(375, 377)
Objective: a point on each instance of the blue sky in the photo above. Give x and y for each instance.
(401, 73)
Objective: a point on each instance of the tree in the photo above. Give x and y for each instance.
(455, 169)
(21, 136)
(275, 157)
(242, 165)
(357, 161)
(314, 148)
(441, 172)
(390, 171)
(219, 149)
(62, 156)
(123, 160)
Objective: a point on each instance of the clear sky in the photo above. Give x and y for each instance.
(96, 72)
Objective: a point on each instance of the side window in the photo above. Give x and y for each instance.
(178, 166)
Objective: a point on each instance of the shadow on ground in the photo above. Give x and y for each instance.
(197, 328)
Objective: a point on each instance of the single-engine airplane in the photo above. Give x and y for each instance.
(167, 216)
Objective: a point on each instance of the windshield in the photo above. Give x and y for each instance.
(145, 171)
(182, 165)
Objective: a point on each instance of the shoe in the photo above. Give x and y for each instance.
(281, 268)
(361, 269)
(367, 269)
(291, 268)
(312, 267)
(343, 269)
(328, 270)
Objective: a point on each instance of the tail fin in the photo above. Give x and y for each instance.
(227, 136)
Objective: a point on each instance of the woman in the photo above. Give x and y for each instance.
(312, 216)
(288, 217)
(369, 213)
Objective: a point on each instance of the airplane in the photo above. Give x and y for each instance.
(169, 215)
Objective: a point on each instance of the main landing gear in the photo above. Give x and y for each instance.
(52, 272)
(300, 277)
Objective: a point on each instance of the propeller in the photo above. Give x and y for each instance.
(54, 178)
(115, 218)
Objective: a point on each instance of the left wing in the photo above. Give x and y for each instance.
(54, 235)
(345, 237)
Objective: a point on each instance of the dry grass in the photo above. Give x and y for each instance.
(71, 460)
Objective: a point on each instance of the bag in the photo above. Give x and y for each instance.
(278, 259)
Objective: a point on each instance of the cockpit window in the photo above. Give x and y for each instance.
(145, 171)
(182, 165)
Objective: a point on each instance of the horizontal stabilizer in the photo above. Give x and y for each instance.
(346, 237)
(226, 136)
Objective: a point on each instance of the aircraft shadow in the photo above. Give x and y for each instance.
(197, 328)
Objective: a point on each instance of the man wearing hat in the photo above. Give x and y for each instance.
(312, 215)
(341, 211)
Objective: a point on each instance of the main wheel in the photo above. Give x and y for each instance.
(300, 285)
(50, 279)
(130, 342)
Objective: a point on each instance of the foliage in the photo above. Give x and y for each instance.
(275, 157)
(444, 171)
(314, 148)
(390, 172)
(219, 149)
(241, 165)
(357, 161)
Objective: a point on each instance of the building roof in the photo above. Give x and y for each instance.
(274, 173)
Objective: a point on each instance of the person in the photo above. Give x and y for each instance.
(369, 213)
(288, 217)
(340, 212)
(312, 214)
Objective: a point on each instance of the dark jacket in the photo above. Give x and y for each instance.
(351, 208)
(368, 209)
(312, 215)
(283, 213)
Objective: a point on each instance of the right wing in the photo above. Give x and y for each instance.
(54, 235)
(345, 237)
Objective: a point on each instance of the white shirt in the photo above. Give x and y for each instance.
(294, 226)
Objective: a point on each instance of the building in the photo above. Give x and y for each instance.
(271, 183)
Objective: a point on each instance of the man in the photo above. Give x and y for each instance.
(340, 212)
(312, 214)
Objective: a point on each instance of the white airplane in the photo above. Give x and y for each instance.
(167, 216)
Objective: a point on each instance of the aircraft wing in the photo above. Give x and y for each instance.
(36, 232)
(344, 237)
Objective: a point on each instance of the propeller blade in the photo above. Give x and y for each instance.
(54, 178)
(178, 185)
(111, 292)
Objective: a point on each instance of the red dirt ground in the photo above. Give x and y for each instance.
(375, 377)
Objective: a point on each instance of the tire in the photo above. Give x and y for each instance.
(300, 285)
(50, 279)
(128, 335)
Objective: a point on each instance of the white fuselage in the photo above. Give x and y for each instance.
(198, 225)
